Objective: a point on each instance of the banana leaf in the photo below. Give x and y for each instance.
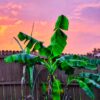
(62, 23)
(92, 82)
(25, 37)
(30, 71)
(95, 77)
(34, 44)
(82, 85)
(23, 58)
(76, 61)
(44, 87)
(58, 42)
(29, 60)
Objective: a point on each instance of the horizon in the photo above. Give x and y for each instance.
(84, 22)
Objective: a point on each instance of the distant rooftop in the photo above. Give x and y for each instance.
(97, 55)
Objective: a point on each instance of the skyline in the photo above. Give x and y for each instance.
(84, 22)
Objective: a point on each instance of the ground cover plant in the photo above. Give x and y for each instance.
(52, 59)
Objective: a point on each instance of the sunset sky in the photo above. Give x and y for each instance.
(19, 15)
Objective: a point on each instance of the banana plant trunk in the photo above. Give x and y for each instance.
(50, 81)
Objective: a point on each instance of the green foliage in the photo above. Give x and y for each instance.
(44, 87)
(56, 89)
(24, 37)
(92, 82)
(82, 85)
(86, 81)
(30, 71)
(95, 77)
(53, 60)
(62, 23)
(28, 59)
(75, 61)
(58, 42)
(34, 44)
(24, 58)
(91, 79)
(51, 67)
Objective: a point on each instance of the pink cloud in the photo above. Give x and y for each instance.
(11, 9)
(11, 5)
(5, 20)
(9, 15)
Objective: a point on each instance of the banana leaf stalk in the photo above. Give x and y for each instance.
(23, 82)
(31, 70)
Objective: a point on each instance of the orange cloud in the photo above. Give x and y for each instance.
(6, 23)
(2, 29)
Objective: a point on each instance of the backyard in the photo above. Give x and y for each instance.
(49, 49)
(38, 72)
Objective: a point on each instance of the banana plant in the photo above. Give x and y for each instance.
(86, 81)
(28, 60)
(52, 59)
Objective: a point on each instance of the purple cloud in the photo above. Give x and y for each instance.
(89, 13)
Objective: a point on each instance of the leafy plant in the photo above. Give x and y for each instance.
(53, 60)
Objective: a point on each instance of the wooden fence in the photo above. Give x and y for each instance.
(10, 79)
(10, 85)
